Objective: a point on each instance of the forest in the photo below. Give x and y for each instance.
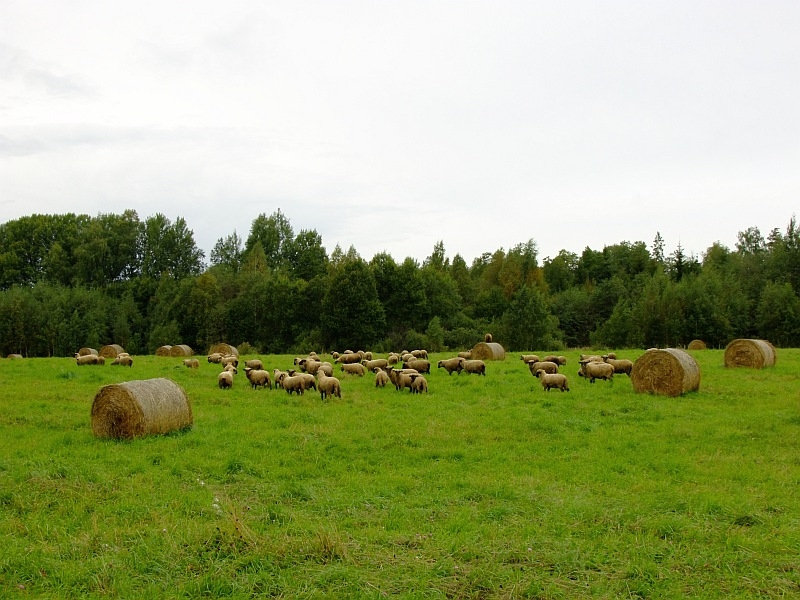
(69, 281)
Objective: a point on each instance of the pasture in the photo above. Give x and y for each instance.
(486, 487)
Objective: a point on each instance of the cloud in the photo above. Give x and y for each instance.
(36, 77)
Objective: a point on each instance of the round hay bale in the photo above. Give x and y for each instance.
(87, 351)
(181, 350)
(755, 354)
(669, 372)
(111, 350)
(488, 351)
(224, 349)
(697, 345)
(164, 350)
(139, 408)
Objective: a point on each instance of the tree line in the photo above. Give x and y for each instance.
(68, 281)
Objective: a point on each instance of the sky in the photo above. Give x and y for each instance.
(391, 126)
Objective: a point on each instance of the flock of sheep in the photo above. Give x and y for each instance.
(592, 366)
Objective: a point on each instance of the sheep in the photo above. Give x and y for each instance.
(125, 361)
(559, 360)
(529, 358)
(89, 359)
(370, 365)
(309, 365)
(465, 354)
(451, 364)
(546, 366)
(277, 375)
(591, 358)
(381, 377)
(328, 386)
(326, 368)
(191, 363)
(403, 380)
(225, 380)
(596, 370)
(230, 359)
(348, 359)
(475, 366)
(293, 384)
(622, 365)
(214, 357)
(258, 377)
(406, 356)
(231, 369)
(418, 384)
(420, 353)
(366, 356)
(254, 363)
(353, 369)
(553, 380)
(420, 364)
(393, 358)
(611, 355)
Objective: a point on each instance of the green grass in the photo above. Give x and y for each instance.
(484, 488)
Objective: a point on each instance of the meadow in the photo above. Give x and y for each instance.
(486, 487)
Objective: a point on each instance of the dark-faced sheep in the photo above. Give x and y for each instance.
(418, 384)
(475, 366)
(465, 354)
(231, 369)
(529, 358)
(230, 360)
(191, 363)
(596, 370)
(451, 364)
(214, 357)
(258, 378)
(90, 359)
(125, 361)
(328, 386)
(553, 380)
(349, 359)
(419, 353)
(293, 384)
(254, 363)
(225, 380)
(401, 380)
(370, 365)
(354, 369)
(621, 365)
(381, 377)
(545, 365)
(420, 364)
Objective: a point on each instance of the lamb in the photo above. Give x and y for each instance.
(381, 377)
(452, 364)
(328, 386)
(553, 380)
(191, 363)
(418, 384)
(370, 365)
(529, 358)
(125, 361)
(546, 366)
(293, 384)
(622, 365)
(353, 369)
(254, 363)
(258, 377)
(596, 370)
(225, 380)
(475, 366)
(420, 364)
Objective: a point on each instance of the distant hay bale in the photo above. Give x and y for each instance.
(488, 351)
(697, 345)
(111, 350)
(164, 350)
(139, 408)
(224, 349)
(14, 356)
(755, 354)
(668, 372)
(181, 350)
(86, 351)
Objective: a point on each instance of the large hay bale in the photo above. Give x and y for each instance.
(755, 354)
(164, 350)
(488, 351)
(181, 350)
(224, 349)
(697, 345)
(111, 350)
(139, 408)
(86, 351)
(669, 372)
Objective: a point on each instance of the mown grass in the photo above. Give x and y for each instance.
(484, 488)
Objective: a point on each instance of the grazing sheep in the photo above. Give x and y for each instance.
(420, 364)
(353, 369)
(277, 375)
(611, 355)
(529, 358)
(465, 354)
(309, 365)
(349, 359)
(254, 363)
(596, 370)
(125, 361)
(553, 380)
(370, 365)
(214, 357)
(89, 359)
(366, 356)
(403, 380)
(475, 366)
(191, 363)
(546, 366)
(622, 365)
(420, 353)
(418, 384)
(452, 364)
(393, 358)
(293, 384)
(406, 356)
(551, 358)
(381, 377)
(258, 377)
(590, 358)
(225, 380)
(309, 379)
(328, 386)
(230, 360)
(231, 369)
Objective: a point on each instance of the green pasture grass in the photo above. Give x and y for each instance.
(486, 487)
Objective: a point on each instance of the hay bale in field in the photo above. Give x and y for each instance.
(139, 408)
(87, 351)
(755, 354)
(488, 351)
(669, 372)
(224, 349)
(164, 350)
(111, 350)
(181, 350)
(12, 356)
(697, 345)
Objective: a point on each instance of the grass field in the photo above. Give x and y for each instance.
(483, 488)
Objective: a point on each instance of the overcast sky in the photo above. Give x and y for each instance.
(389, 126)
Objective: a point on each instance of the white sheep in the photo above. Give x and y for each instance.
(553, 380)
